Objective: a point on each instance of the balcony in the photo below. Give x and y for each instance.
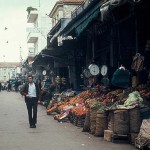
(82, 7)
(31, 52)
(33, 35)
(32, 16)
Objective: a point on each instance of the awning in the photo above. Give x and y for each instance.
(58, 56)
(64, 22)
(54, 53)
(86, 22)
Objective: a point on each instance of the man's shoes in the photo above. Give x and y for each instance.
(33, 126)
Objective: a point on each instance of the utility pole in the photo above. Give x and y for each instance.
(39, 3)
(20, 55)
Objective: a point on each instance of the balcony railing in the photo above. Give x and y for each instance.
(79, 9)
(83, 6)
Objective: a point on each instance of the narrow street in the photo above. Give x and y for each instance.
(15, 133)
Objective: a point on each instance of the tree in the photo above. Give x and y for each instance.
(29, 9)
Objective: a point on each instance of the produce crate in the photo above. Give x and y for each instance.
(118, 138)
(108, 135)
(64, 120)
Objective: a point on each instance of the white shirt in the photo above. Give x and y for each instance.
(32, 90)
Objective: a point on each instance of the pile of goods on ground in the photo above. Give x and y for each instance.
(104, 113)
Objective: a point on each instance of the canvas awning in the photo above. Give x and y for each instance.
(86, 22)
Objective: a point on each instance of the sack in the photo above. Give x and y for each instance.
(138, 61)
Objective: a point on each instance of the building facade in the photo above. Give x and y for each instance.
(63, 9)
(38, 26)
(50, 59)
(9, 70)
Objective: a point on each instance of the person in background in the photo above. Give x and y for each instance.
(40, 84)
(16, 86)
(9, 87)
(0, 86)
(32, 94)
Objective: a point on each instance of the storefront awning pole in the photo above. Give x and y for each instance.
(136, 33)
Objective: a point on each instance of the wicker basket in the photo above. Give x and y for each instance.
(135, 120)
(93, 114)
(121, 122)
(86, 127)
(101, 124)
(111, 121)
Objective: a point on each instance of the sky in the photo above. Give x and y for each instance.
(13, 16)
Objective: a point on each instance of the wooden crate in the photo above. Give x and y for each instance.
(118, 138)
(108, 135)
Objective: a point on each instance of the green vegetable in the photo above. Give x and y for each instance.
(96, 104)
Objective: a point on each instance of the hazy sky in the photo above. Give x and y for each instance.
(13, 15)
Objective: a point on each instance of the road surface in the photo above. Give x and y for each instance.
(15, 133)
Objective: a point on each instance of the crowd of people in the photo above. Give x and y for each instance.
(9, 86)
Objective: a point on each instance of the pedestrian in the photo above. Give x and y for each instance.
(16, 86)
(40, 84)
(9, 87)
(32, 93)
(0, 86)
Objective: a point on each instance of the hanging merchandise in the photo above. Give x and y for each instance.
(105, 12)
(87, 73)
(105, 81)
(135, 81)
(121, 78)
(138, 61)
(147, 46)
(142, 76)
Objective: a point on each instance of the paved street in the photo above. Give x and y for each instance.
(15, 133)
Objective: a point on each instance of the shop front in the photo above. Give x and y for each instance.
(115, 51)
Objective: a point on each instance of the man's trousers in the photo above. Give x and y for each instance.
(32, 110)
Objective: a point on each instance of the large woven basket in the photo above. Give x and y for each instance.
(135, 120)
(93, 114)
(121, 122)
(86, 127)
(111, 121)
(101, 124)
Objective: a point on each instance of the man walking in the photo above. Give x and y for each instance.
(32, 93)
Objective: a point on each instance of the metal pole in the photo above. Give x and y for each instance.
(69, 75)
(39, 3)
(136, 33)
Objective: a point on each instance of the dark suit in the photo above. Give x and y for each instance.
(31, 103)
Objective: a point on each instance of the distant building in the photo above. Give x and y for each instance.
(9, 70)
(63, 9)
(38, 26)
